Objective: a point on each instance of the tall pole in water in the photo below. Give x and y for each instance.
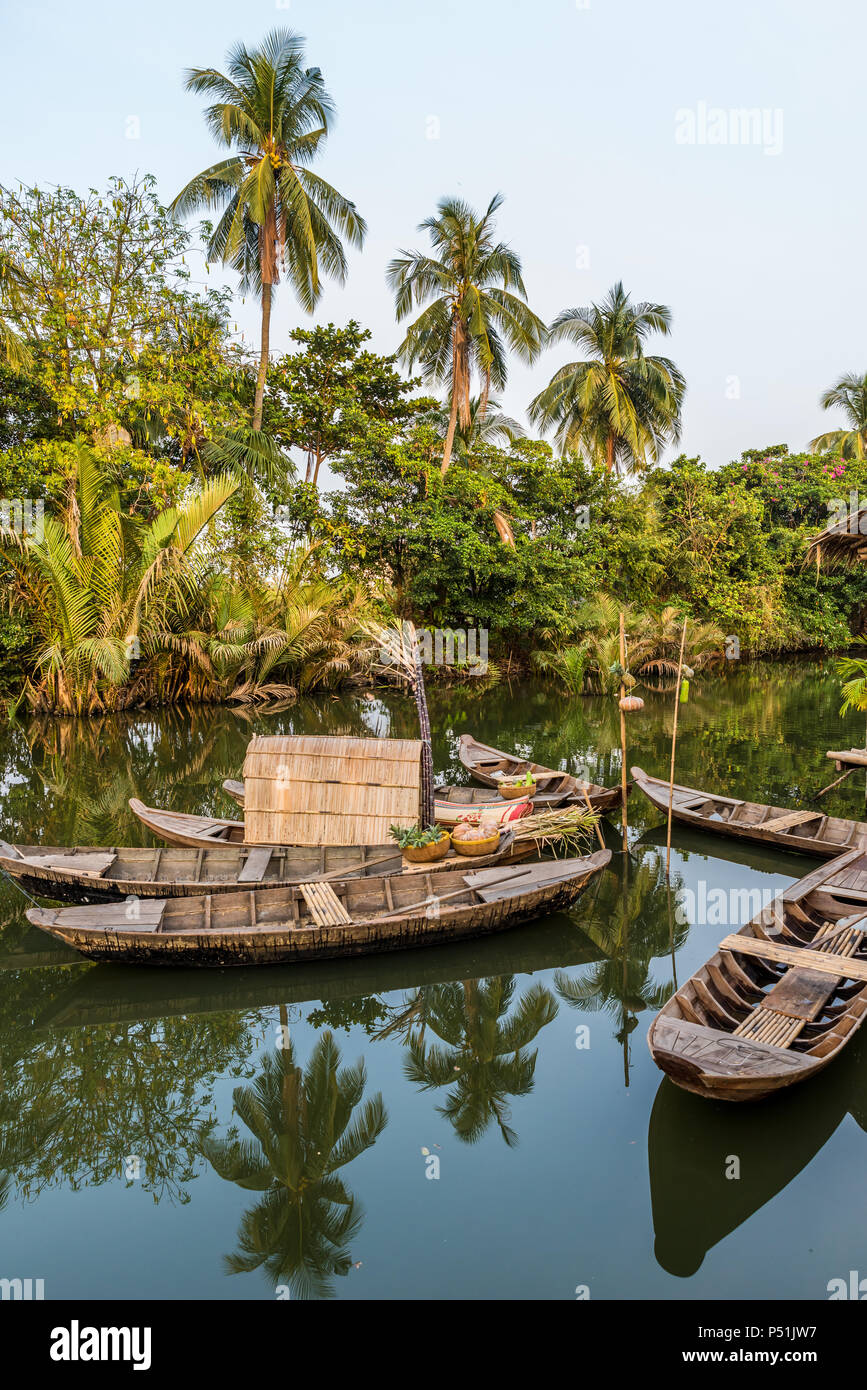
(623, 816)
(673, 743)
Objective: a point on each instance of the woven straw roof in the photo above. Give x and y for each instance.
(314, 790)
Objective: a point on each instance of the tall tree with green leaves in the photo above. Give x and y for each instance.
(105, 308)
(850, 394)
(328, 395)
(616, 406)
(274, 114)
(14, 285)
(476, 310)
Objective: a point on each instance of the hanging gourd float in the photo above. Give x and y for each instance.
(631, 703)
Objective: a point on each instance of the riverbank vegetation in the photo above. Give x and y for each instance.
(187, 519)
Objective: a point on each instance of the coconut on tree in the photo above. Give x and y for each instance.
(274, 114)
(850, 394)
(475, 311)
(617, 405)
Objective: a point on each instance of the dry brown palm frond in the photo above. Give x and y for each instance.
(398, 650)
(253, 693)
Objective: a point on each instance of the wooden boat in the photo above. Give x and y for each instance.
(488, 765)
(180, 828)
(808, 832)
(847, 757)
(780, 998)
(309, 921)
(451, 803)
(176, 871)
(234, 789)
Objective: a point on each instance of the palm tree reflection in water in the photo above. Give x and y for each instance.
(484, 1059)
(631, 922)
(303, 1133)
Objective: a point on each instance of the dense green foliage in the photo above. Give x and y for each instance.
(125, 406)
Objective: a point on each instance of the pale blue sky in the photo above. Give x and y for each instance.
(571, 110)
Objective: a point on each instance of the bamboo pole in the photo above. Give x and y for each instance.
(673, 745)
(590, 809)
(623, 815)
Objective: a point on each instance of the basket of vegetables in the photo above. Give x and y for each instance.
(513, 787)
(476, 837)
(420, 846)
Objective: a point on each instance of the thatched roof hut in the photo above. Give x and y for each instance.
(841, 545)
(312, 790)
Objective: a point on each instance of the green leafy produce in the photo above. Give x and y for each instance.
(414, 837)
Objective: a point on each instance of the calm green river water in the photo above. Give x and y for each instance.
(506, 1161)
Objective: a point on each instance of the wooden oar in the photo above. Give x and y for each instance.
(351, 873)
(441, 898)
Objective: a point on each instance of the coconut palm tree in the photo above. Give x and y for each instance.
(850, 393)
(303, 1132)
(490, 425)
(659, 634)
(274, 114)
(616, 406)
(476, 308)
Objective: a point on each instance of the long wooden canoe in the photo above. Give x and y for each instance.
(488, 765)
(451, 803)
(180, 828)
(808, 832)
(97, 873)
(780, 997)
(347, 917)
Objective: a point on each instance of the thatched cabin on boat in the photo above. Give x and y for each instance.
(302, 789)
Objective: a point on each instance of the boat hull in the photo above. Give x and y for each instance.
(187, 872)
(451, 803)
(837, 835)
(123, 942)
(780, 998)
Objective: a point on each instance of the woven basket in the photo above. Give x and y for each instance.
(426, 854)
(512, 793)
(474, 847)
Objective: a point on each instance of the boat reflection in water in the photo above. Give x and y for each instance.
(107, 994)
(691, 1143)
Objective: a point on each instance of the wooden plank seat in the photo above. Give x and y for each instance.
(790, 819)
(256, 865)
(93, 864)
(138, 914)
(830, 964)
